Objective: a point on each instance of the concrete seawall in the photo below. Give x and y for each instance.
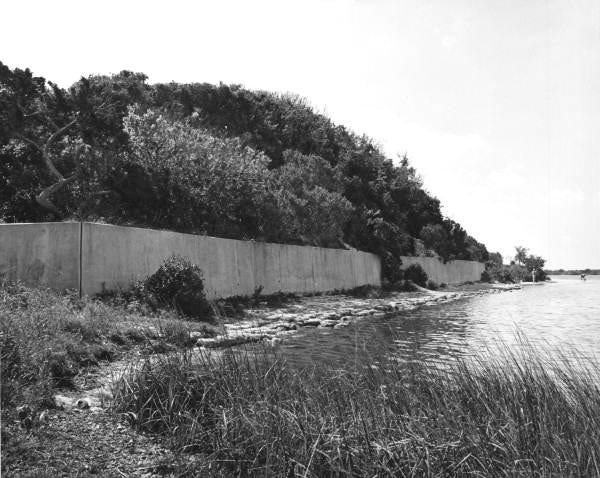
(96, 257)
(452, 272)
(41, 253)
(115, 256)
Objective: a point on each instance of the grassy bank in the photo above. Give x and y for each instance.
(48, 339)
(252, 415)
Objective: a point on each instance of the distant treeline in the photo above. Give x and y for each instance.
(522, 268)
(211, 159)
(574, 272)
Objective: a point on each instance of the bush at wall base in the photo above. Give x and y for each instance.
(415, 273)
(432, 285)
(178, 283)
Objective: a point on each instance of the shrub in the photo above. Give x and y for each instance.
(178, 283)
(432, 285)
(485, 277)
(405, 286)
(415, 273)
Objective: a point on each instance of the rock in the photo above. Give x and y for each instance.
(364, 313)
(346, 311)
(329, 315)
(312, 322)
(62, 402)
(222, 341)
(205, 342)
(383, 307)
(299, 319)
(286, 326)
(328, 323)
(43, 418)
(287, 317)
(194, 334)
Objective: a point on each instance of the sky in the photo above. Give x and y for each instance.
(496, 103)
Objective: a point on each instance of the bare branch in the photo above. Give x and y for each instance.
(43, 198)
(45, 149)
(47, 146)
(27, 140)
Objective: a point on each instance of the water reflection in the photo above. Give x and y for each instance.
(557, 316)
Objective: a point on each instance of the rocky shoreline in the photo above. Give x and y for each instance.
(334, 311)
(271, 326)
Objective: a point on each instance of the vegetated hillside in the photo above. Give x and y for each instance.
(218, 160)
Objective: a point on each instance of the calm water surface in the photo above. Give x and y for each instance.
(559, 316)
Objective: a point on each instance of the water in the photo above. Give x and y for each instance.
(560, 317)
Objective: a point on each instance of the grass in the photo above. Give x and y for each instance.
(250, 414)
(51, 342)
(48, 338)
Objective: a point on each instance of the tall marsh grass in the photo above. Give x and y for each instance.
(251, 414)
(45, 338)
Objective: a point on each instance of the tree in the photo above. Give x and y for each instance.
(521, 254)
(214, 185)
(496, 258)
(218, 159)
(38, 116)
(46, 127)
(435, 237)
(308, 193)
(535, 263)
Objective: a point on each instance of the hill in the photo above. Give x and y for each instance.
(210, 159)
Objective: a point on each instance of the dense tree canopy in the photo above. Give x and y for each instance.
(212, 159)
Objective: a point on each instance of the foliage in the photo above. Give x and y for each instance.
(178, 283)
(518, 414)
(308, 192)
(495, 270)
(521, 254)
(432, 285)
(415, 273)
(435, 237)
(210, 159)
(47, 339)
(535, 263)
(572, 272)
(212, 185)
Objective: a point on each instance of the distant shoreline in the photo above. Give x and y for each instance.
(587, 272)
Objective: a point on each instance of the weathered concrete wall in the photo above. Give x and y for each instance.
(453, 272)
(115, 256)
(41, 253)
